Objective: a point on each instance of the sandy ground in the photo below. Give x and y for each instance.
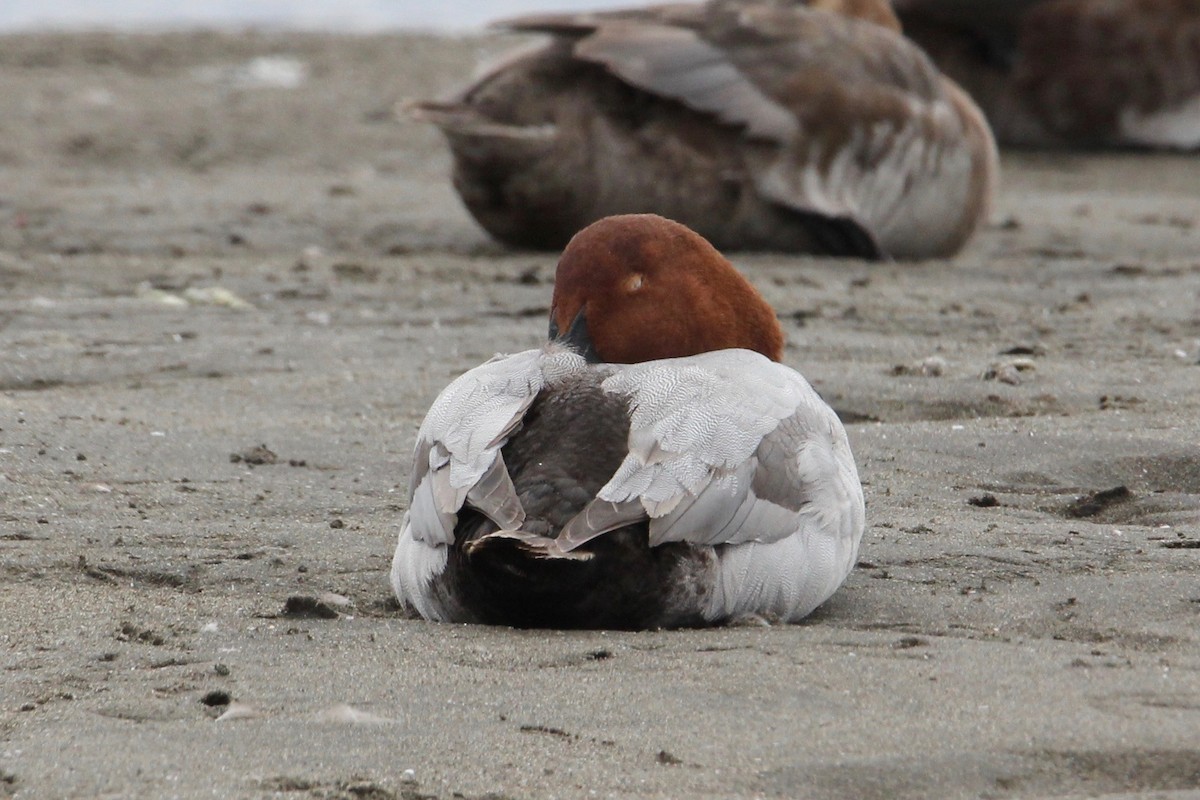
(196, 261)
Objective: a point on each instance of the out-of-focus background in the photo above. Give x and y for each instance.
(346, 15)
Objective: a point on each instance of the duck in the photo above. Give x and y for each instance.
(652, 465)
(1083, 74)
(801, 127)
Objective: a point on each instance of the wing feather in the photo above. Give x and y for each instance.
(724, 448)
(457, 458)
(677, 63)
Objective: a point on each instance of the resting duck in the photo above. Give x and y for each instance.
(653, 465)
(760, 124)
(1088, 73)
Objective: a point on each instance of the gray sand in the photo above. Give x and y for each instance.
(1007, 634)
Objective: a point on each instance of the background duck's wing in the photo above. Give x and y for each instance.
(750, 64)
(457, 458)
(883, 139)
(658, 51)
(858, 136)
(724, 448)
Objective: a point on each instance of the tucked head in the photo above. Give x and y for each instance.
(639, 287)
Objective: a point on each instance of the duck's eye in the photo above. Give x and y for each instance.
(633, 282)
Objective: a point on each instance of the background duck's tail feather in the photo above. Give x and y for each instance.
(463, 120)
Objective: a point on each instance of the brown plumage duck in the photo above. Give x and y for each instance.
(762, 125)
(1071, 73)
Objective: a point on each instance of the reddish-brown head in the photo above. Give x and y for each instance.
(638, 287)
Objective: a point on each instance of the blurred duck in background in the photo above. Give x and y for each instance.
(1071, 73)
(800, 127)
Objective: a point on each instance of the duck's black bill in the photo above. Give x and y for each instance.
(577, 337)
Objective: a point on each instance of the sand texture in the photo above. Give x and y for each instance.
(230, 285)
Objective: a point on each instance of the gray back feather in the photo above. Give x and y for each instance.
(457, 456)
(725, 447)
(728, 447)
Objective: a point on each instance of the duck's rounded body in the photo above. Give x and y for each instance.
(761, 125)
(550, 489)
(1072, 73)
(675, 492)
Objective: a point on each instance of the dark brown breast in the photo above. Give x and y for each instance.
(573, 439)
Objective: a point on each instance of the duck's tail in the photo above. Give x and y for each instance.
(518, 578)
(522, 543)
(527, 580)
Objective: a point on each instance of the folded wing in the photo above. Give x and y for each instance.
(725, 448)
(457, 459)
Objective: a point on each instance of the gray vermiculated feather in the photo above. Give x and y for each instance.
(471, 413)
(496, 497)
(793, 456)
(457, 456)
(693, 415)
(728, 447)
(427, 521)
(598, 518)
(714, 514)
(432, 502)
